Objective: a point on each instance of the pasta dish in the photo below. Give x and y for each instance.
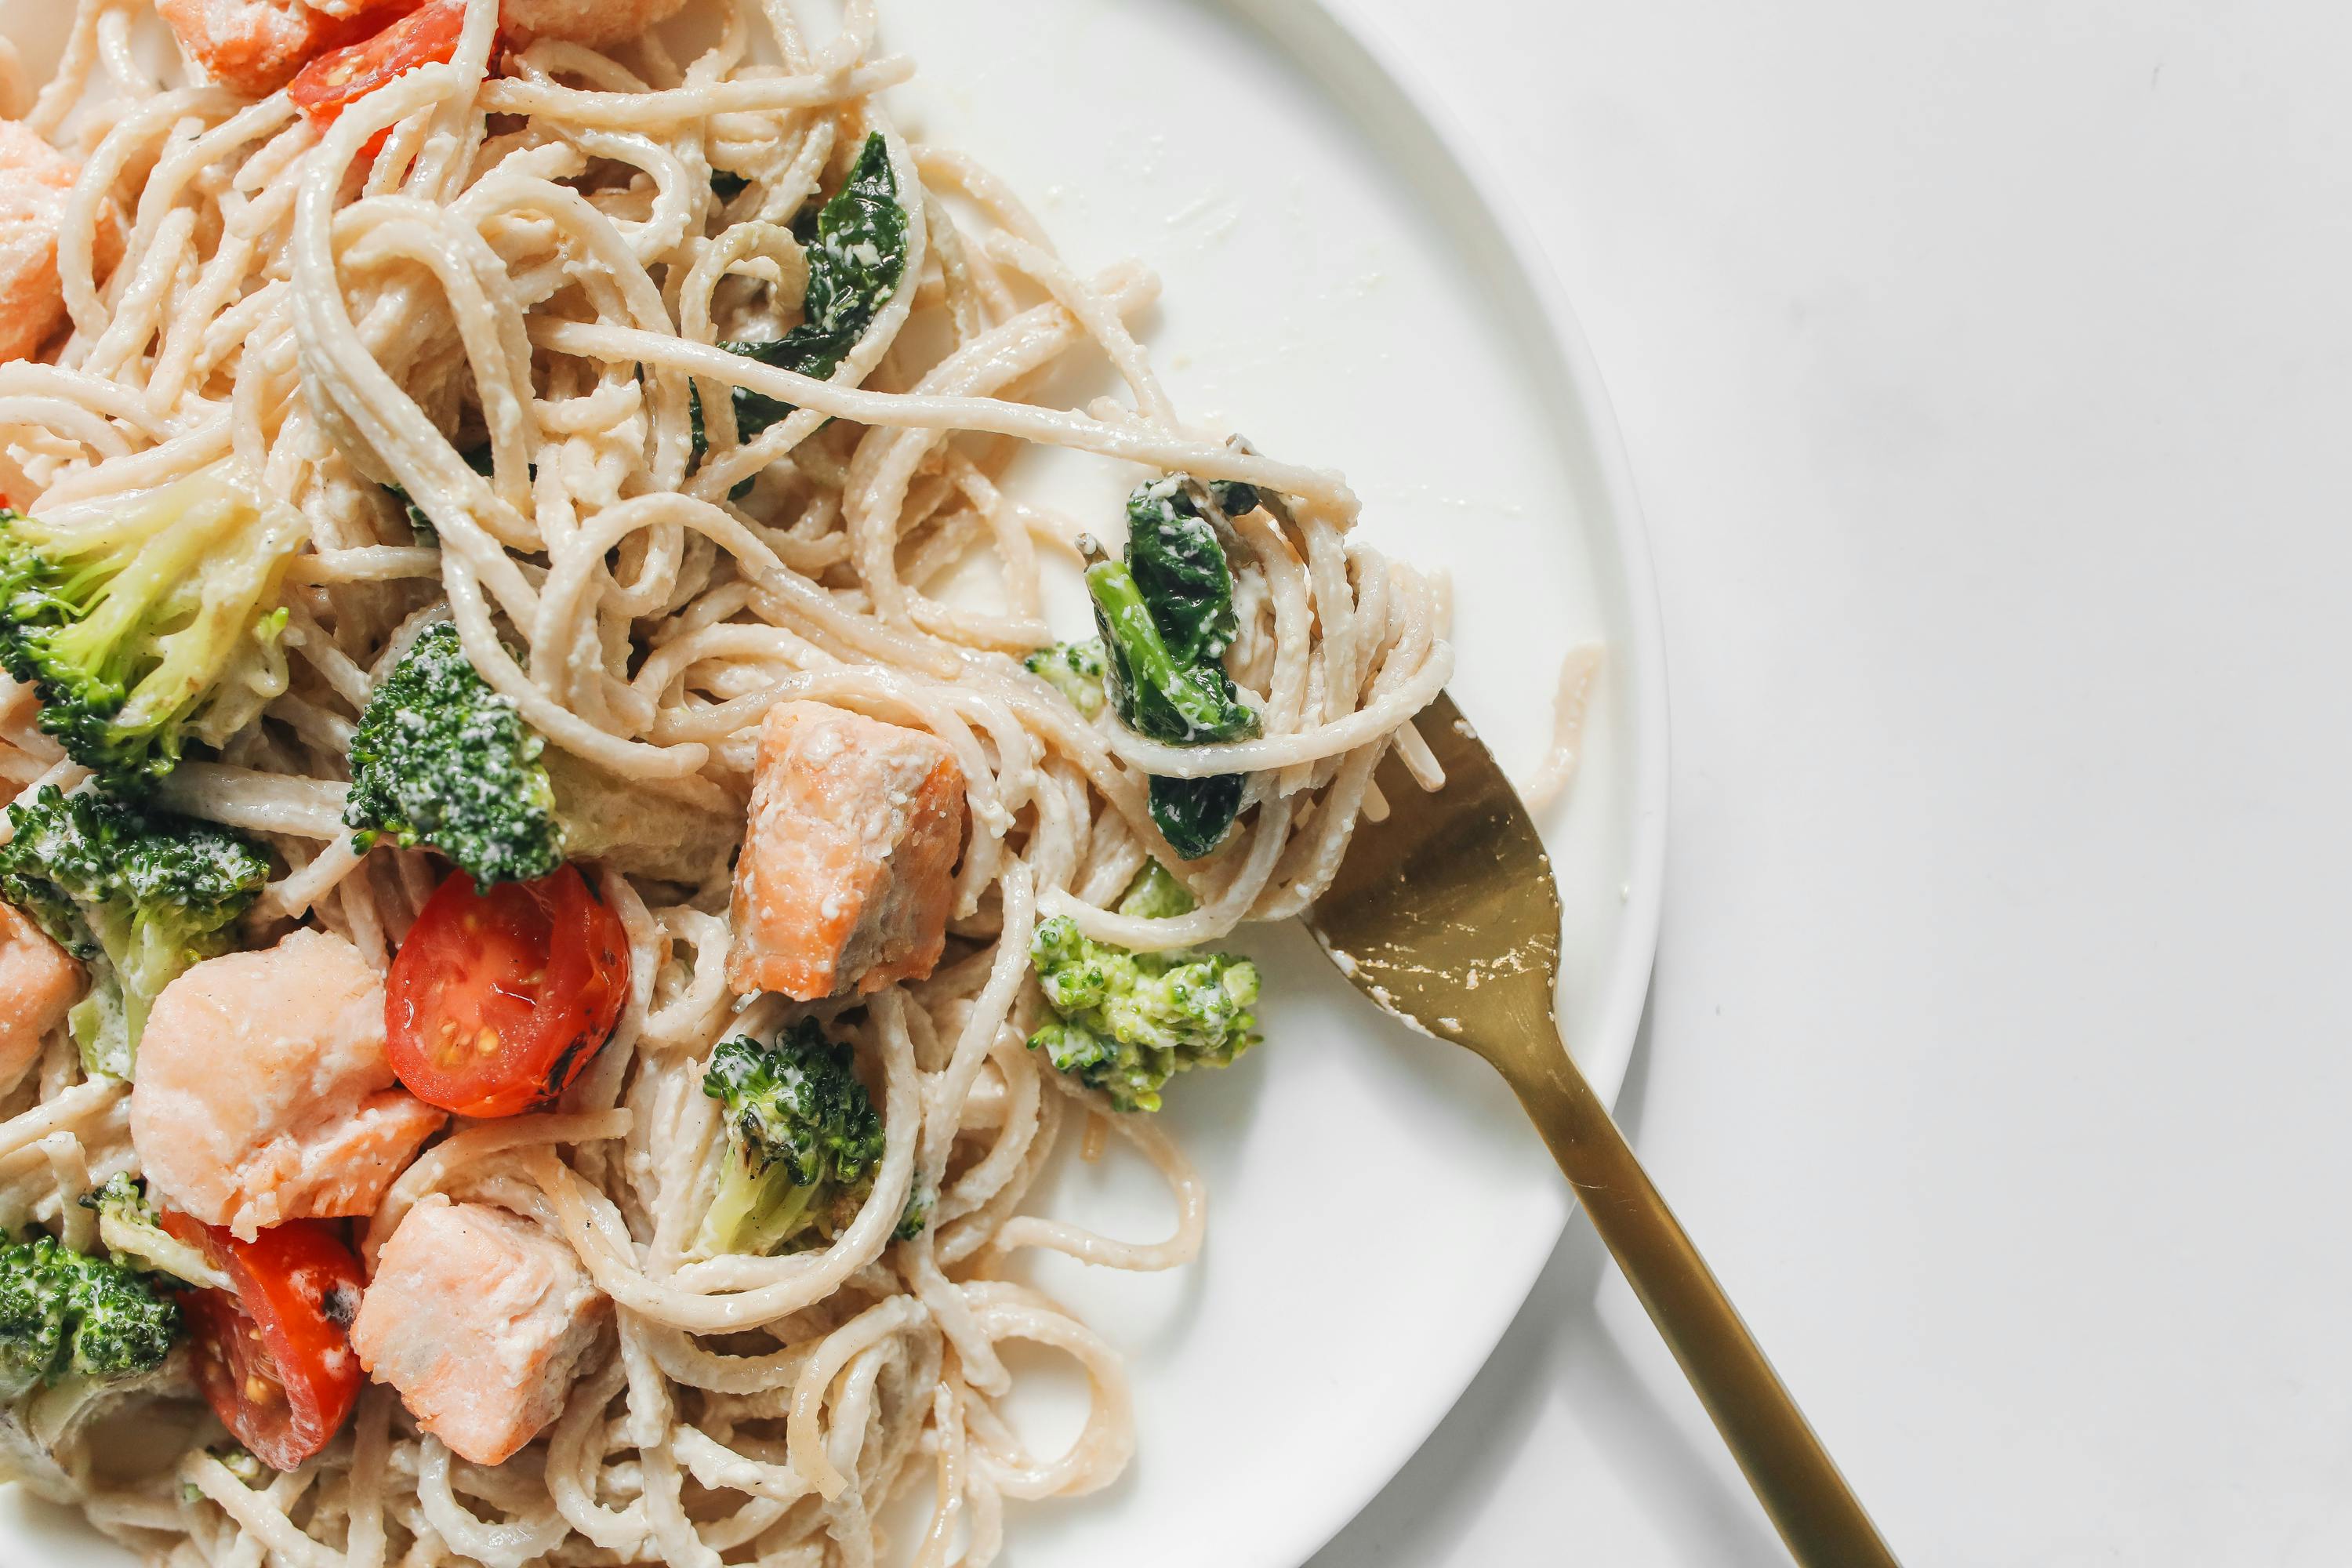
(560, 889)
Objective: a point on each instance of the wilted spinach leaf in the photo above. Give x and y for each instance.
(1166, 614)
(1181, 568)
(856, 259)
(1193, 815)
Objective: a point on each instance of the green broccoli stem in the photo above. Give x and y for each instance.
(139, 961)
(103, 1029)
(134, 1236)
(756, 1212)
(1158, 694)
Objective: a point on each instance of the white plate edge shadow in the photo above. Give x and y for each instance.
(1349, 57)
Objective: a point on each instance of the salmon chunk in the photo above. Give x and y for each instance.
(255, 46)
(478, 1317)
(263, 1093)
(849, 857)
(38, 982)
(35, 178)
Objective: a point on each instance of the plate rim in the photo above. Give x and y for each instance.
(1644, 722)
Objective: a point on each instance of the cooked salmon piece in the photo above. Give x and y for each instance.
(263, 1093)
(255, 46)
(35, 178)
(849, 859)
(38, 982)
(478, 1317)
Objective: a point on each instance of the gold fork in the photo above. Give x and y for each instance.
(1446, 915)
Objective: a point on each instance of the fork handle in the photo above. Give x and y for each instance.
(1817, 1514)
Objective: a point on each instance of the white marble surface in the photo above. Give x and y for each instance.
(1987, 369)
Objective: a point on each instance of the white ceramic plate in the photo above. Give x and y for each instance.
(1379, 1208)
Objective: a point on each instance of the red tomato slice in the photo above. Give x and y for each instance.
(426, 36)
(498, 1000)
(275, 1359)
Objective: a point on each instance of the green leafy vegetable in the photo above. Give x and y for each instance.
(139, 899)
(154, 627)
(804, 1142)
(1127, 1022)
(1234, 498)
(857, 259)
(1193, 814)
(1179, 569)
(63, 1314)
(1166, 614)
(727, 184)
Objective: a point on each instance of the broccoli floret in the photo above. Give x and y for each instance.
(1155, 894)
(1073, 668)
(441, 758)
(65, 1314)
(156, 626)
(134, 1236)
(803, 1141)
(1127, 1022)
(138, 897)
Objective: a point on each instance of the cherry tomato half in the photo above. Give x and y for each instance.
(499, 999)
(274, 1358)
(426, 36)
